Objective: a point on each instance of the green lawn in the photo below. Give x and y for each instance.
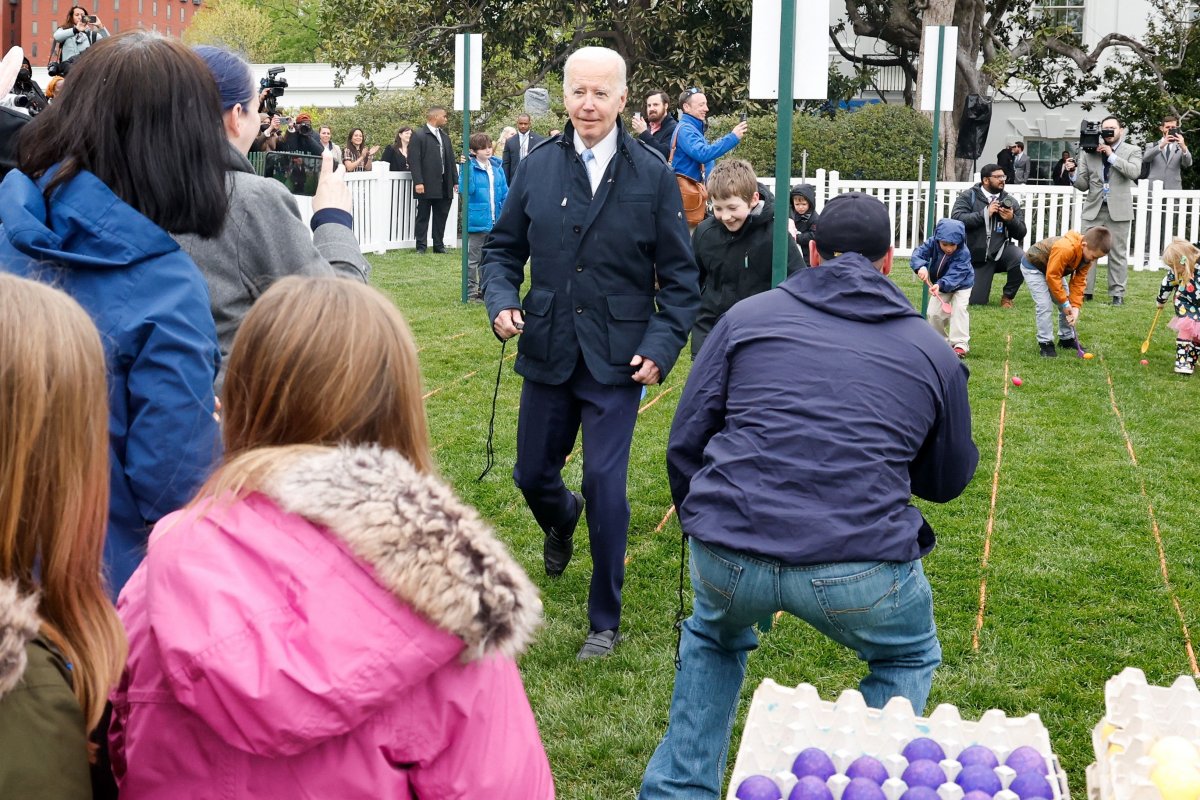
(1075, 591)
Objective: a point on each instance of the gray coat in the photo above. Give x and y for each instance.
(1123, 174)
(264, 239)
(1165, 165)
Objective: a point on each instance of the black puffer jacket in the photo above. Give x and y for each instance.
(734, 266)
(805, 223)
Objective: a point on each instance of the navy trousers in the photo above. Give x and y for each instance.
(547, 425)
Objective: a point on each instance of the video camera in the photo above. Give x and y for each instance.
(274, 86)
(1089, 136)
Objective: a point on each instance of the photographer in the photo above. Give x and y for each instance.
(300, 138)
(993, 217)
(264, 238)
(1107, 175)
(79, 32)
(1165, 159)
(268, 138)
(35, 102)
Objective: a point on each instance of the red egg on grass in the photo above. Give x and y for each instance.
(1017, 380)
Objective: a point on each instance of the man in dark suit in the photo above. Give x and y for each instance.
(517, 147)
(658, 126)
(601, 225)
(435, 177)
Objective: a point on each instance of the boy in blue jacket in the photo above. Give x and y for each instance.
(945, 262)
(489, 187)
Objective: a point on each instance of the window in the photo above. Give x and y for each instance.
(168, 11)
(1043, 155)
(182, 11)
(33, 30)
(141, 7)
(54, 6)
(1063, 12)
(154, 11)
(116, 6)
(35, 5)
(35, 50)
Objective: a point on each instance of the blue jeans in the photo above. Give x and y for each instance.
(883, 610)
(1044, 305)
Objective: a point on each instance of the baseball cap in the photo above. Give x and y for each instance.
(303, 118)
(854, 222)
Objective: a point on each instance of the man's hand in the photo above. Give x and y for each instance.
(1072, 315)
(419, 188)
(740, 129)
(923, 274)
(994, 207)
(332, 191)
(1104, 150)
(639, 126)
(508, 323)
(1006, 214)
(647, 373)
(1179, 141)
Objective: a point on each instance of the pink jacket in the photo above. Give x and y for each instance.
(347, 633)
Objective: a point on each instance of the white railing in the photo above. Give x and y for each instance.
(1159, 213)
(385, 211)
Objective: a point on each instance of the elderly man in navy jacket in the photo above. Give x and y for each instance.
(613, 293)
(794, 484)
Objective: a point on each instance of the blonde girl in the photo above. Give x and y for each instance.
(1180, 258)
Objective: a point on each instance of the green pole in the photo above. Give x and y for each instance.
(783, 139)
(933, 159)
(466, 180)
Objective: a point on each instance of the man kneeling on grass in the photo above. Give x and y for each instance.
(1056, 270)
(812, 415)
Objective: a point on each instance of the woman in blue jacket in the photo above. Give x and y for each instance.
(92, 215)
(489, 187)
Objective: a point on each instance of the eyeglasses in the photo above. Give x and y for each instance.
(1000, 177)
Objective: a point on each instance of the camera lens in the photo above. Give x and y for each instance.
(1108, 133)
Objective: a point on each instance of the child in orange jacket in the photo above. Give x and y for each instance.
(1055, 270)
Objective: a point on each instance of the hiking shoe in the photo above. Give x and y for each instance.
(1048, 350)
(560, 542)
(958, 351)
(1006, 302)
(598, 644)
(1118, 301)
(1067, 344)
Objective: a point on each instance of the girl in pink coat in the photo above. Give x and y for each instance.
(326, 620)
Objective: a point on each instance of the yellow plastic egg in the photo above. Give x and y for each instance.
(1089, 355)
(1175, 750)
(1177, 781)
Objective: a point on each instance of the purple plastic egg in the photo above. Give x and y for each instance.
(978, 778)
(977, 795)
(978, 754)
(921, 793)
(1028, 785)
(869, 768)
(923, 772)
(758, 787)
(863, 789)
(810, 787)
(923, 748)
(813, 761)
(1026, 759)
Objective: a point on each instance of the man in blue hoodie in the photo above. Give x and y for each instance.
(794, 485)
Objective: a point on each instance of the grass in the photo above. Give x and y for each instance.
(1075, 591)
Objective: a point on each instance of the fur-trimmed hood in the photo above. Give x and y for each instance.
(426, 546)
(19, 625)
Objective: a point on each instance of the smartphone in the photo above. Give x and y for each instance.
(637, 115)
(89, 19)
(285, 121)
(743, 116)
(298, 172)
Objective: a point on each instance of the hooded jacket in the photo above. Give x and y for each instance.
(483, 206)
(805, 223)
(264, 239)
(949, 272)
(735, 264)
(348, 632)
(813, 414)
(41, 724)
(693, 151)
(970, 208)
(151, 306)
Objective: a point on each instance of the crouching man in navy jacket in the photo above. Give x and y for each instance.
(613, 293)
(812, 415)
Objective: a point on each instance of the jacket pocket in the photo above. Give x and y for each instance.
(538, 308)
(628, 315)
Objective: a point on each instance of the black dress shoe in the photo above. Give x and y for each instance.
(1087, 297)
(421, 249)
(559, 543)
(598, 644)
(439, 249)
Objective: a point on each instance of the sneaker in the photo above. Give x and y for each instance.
(598, 644)
(1118, 301)
(1183, 368)
(1006, 302)
(1087, 297)
(958, 351)
(559, 545)
(1048, 350)
(1067, 344)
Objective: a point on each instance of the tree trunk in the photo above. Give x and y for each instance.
(942, 12)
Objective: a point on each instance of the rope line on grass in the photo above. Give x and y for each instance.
(1158, 541)
(991, 521)
(460, 379)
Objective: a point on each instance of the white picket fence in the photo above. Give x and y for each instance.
(385, 210)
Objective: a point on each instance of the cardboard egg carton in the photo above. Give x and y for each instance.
(1136, 716)
(784, 721)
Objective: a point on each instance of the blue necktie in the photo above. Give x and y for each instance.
(589, 161)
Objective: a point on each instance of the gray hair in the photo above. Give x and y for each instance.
(597, 54)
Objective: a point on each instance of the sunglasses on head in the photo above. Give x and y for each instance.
(691, 92)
